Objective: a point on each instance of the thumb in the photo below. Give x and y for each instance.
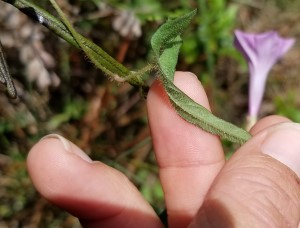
(259, 185)
(97, 194)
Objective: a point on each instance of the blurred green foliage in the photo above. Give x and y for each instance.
(213, 36)
(74, 110)
(292, 5)
(286, 106)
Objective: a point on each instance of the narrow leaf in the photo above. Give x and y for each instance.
(100, 58)
(5, 77)
(166, 44)
(170, 30)
(169, 57)
(201, 117)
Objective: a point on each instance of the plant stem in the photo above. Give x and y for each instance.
(108, 63)
(5, 77)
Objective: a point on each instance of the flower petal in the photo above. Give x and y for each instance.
(261, 51)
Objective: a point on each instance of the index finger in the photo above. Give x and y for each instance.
(189, 158)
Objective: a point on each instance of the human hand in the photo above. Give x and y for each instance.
(257, 187)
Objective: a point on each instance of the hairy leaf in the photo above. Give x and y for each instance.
(5, 77)
(166, 43)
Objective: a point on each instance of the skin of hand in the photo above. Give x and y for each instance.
(257, 187)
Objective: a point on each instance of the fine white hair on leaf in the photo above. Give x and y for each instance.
(41, 19)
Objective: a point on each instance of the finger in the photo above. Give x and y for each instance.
(97, 194)
(267, 122)
(259, 186)
(189, 158)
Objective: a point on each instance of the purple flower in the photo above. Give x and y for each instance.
(261, 51)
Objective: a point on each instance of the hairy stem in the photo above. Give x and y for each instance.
(105, 62)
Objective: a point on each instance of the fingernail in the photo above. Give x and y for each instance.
(283, 144)
(191, 74)
(68, 146)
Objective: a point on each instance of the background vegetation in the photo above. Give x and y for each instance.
(62, 92)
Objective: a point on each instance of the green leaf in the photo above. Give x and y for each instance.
(169, 57)
(201, 117)
(5, 77)
(169, 31)
(166, 44)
